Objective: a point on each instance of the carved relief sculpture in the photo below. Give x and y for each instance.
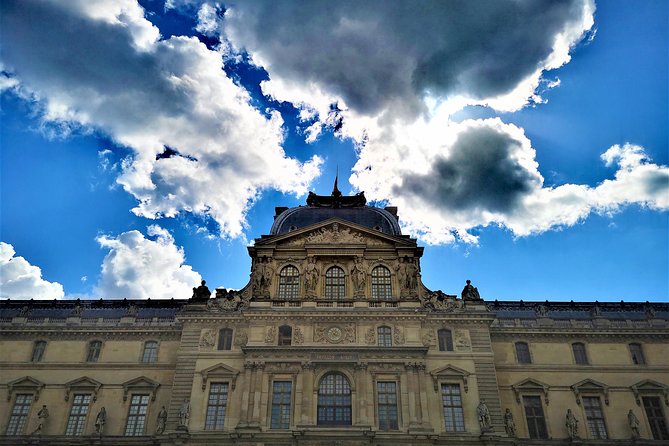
(633, 422)
(311, 275)
(398, 336)
(333, 334)
(509, 424)
(100, 421)
(461, 340)
(161, 422)
(184, 414)
(241, 338)
(262, 276)
(298, 336)
(370, 336)
(359, 276)
(427, 338)
(484, 417)
(334, 235)
(207, 339)
(571, 423)
(270, 335)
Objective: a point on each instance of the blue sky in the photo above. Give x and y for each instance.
(535, 171)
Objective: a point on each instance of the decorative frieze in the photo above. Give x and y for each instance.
(335, 334)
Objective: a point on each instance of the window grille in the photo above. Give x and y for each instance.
(452, 405)
(595, 417)
(580, 355)
(445, 340)
(289, 283)
(285, 335)
(385, 337)
(381, 283)
(637, 354)
(523, 353)
(281, 395)
(335, 283)
(534, 414)
(78, 413)
(94, 348)
(19, 416)
(150, 353)
(334, 400)
(225, 339)
(38, 351)
(218, 400)
(387, 405)
(658, 423)
(139, 405)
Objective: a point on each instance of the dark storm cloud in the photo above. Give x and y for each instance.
(376, 54)
(481, 173)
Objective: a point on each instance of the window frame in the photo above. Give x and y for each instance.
(335, 285)
(657, 423)
(93, 351)
(225, 341)
(344, 409)
(535, 434)
(384, 336)
(518, 355)
(385, 423)
(641, 355)
(281, 422)
(153, 358)
(80, 419)
(289, 284)
(595, 423)
(454, 420)
(445, 343)
(22, 416)
(220, 406)
(39, 346)
(583, 359)
(382, 284)
(131, 429)
(285, 338)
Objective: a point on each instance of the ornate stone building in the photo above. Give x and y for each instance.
(334, 341)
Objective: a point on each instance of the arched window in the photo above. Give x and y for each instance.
(289, 283)
(381, 287)
(335, 285)
(150, 353)
(385, 336)
(580, 356)
(523, 353)
(285, 335)
(94, 349)
(38, 351)
(445, 340)
(225, 339)
(334, 400)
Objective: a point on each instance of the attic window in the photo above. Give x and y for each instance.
(292, 228)
(378, 228)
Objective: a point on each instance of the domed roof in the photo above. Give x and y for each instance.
(322, 207)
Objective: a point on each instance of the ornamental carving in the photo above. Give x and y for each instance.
(334, 235)
(359, 276)
(427, 338)
(241, 338)
(439, 301)
(298, 336)
(333, 334)
(408, 276)
(398, 336)
(228, 301)
(461, 340)
(261, 276)
(270, 335)
(370, 336)
(207, 339)
(311, 275)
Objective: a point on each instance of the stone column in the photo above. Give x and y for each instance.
(260, 371)
(307, 393)
(361, 392)
(246, 401)
(411, 381)
(419, 371)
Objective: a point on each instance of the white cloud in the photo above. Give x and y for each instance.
(140, 268)
(21, 280)
(102, 64)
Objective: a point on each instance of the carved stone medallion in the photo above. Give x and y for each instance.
(334, 334)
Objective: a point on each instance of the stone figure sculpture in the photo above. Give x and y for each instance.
(484, 416)
(311, 274)
(572, 425)
(100, 421)
(411, 275)
(633, 422)
(202, 292)
(184, 414)
(162, 421)
(358, 274)
(42, 416)
(470, 292)
(509, 424)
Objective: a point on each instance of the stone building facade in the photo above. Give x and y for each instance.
(334, 341)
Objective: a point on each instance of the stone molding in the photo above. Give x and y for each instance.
(590, 386)
(530, 385)
(649, 386)
(141, 383)
(450, 372)
(25, 384)
(221, 371)
(84, 383)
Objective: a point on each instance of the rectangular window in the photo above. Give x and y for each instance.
(218, 399)
(139, 405)
(637, 354)
(93, 354)
(38, 351)
(281, 396)
(523, 353)
(385, 336)
(387, 403)
(19, 416)
(77, 419)
(225, 339)
(658, 424)
(452, 404)
(595, 417)
(534, 413)
(580, 356)
(150, 353)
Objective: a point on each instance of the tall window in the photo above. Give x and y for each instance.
(19, 416)
(534, 414)
(150, 353)
(445, 340)
(381, 287)
(335, 283)
(595, 417)
(655, 416)
(218, 400)
(281, 394)
(385, 336)
(285, 335)
(225, 339)
(139, 405)
(637, 354)
(38, 351)
(334, 400)
(78, 413)
(94, 349)
(523, 353)
(289, 283)
(387, 401)
(452, 404)
(580, 356)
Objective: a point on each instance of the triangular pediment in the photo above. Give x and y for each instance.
(335, 231)
(530, 385)
(450, 371)
(83, 383)
(26, 384)
(140, 383)
(220, 371)
(590, 386)
(650, 387)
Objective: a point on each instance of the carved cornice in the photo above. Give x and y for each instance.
(530, 385)
(141, 383)
(590, 386)
(220, 371)
(25, 384)
(87, 333)
(648, 386)
(450, 372)
(84, 383)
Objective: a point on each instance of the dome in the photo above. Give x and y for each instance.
(384, 220)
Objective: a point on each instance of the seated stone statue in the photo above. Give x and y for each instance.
(202, 292)
(470, 292)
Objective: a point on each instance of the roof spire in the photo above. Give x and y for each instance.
(335, 190)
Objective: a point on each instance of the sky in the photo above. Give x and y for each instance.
(144, 145)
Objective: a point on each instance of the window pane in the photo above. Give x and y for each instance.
(637, 354)
(150, 352)
(335, 283)
(289, 283)
(281, 395)
(93, 353)
(445, 340)
(78, 414)
(285, 335)
(225, 339)
(534, 413)
(579, 353)
(594, 417)
(452, 405)
(658, 424)
(218, 400)
(334, 400)
(381, 283)
(38, 351)
(19, 416)
(139, 405)
(385, 337)
(387, 405)
(523, 353)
